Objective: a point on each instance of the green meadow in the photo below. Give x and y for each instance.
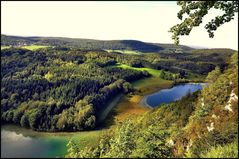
(34, 47)
(29, 47)
(153, 72)
(4, 47)
(126, 51)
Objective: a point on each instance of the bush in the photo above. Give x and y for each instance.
(225, 151)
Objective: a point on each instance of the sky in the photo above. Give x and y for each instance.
(144, 21)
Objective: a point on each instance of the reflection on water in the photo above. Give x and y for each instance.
(13, 136)
(17, 144)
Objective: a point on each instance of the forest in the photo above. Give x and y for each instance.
(63, 89)
(119, 80)
(201, 125)
(90, 44)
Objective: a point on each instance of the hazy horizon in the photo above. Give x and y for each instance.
(141, 21)
(192, 46)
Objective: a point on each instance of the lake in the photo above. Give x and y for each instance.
(26, 143)
(172, 94)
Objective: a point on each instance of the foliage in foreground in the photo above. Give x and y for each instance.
(204, 124)
(195, 11)
(224, 151)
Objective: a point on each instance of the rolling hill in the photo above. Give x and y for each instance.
(90, 44)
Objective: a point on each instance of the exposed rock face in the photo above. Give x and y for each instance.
(215, 116)
(202, 104)
(233, 97)
(211, 127)
(188, 146)
(171, 142)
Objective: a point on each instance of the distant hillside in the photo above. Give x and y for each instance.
(214, 51)
(89, 44)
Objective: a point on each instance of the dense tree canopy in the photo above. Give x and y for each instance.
(203, 124)
(62, 89)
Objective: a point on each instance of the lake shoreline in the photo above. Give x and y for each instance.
(144, 99)
(144, 103)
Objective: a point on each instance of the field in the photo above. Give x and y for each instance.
(150, 85)
(153, 72)
(128, 107)
(34, 47)
(5, 47)
(29, 47)
(126, 51)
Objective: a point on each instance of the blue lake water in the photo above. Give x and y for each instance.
(25, 143)
(173, 94)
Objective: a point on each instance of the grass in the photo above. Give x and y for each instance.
(128, 107)
(225, 151)
(151, 85)
(88, 138)
(153, 72)
(29, 47)
(34, 47)
(126, 51)
(4, 47)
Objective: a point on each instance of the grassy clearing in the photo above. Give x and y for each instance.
(29, 47)
(150, 85)
(128, 107)
(153, 72)
(126, 51)
(4, 47)
(34, 47)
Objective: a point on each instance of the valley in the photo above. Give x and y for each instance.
(73, 101)
(104, 79)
